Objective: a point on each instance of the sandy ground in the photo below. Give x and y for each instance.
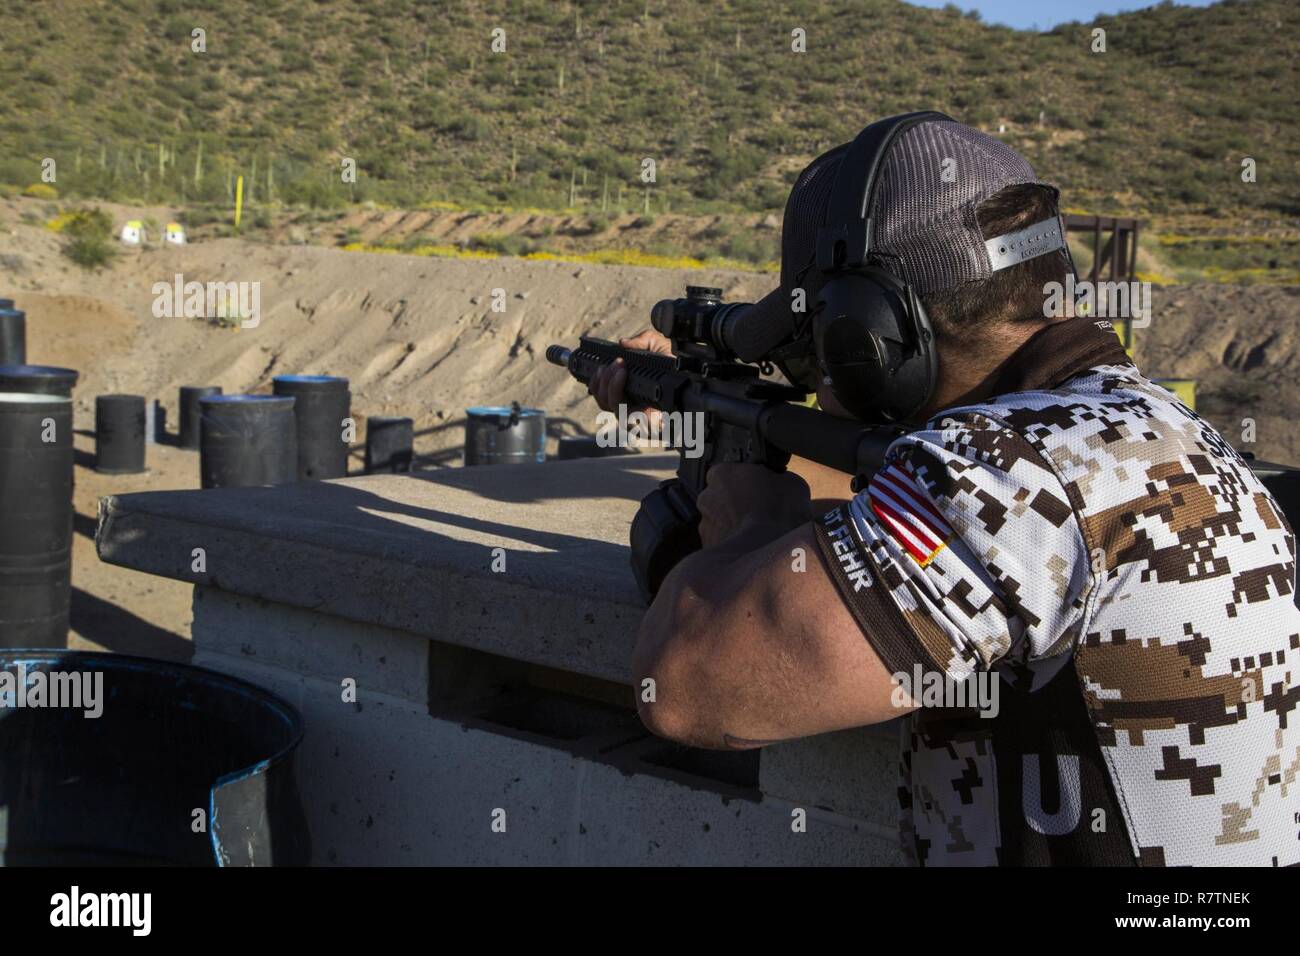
(419, 337)
(113, 608)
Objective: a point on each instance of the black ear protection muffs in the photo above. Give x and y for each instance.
(872, 337)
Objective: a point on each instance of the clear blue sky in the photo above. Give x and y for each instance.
(1045, 14)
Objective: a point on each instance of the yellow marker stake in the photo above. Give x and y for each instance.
(239, 199)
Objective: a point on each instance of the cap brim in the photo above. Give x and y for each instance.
(767, 323)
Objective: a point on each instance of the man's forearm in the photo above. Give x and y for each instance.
(681, 616)
(701, 573)
(698, 578)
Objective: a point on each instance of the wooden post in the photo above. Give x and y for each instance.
(1107, 255)
(1096, 248)
(1113, 248)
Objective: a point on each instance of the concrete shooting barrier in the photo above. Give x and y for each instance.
(458, 643)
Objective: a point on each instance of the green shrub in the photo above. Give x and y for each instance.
(90, 238)
(90, 253)
(594, 225)
(514, 245)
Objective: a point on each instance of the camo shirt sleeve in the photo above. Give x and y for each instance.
(963, 554)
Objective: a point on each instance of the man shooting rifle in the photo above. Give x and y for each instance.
(1055, 524)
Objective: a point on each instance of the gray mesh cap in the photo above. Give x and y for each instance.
(925, 228)
(925, 220)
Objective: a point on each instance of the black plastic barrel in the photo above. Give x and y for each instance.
(189, 412)
(390, 444)
(119, 434)
(247, 440)
(500, 435)
(583, 446)
(13, 334)
(37, 379)
(36, 459)
(322, 402)
(182, 766)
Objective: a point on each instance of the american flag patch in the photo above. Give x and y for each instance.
(906, 513)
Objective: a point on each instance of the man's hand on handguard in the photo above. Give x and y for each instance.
(829, 487)
(608, 383)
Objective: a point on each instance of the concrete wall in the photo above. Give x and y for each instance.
(441, 740)
(481, 688)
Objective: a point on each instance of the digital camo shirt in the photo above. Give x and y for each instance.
(1102, 550)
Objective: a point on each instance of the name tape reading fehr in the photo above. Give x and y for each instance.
(1015, 247)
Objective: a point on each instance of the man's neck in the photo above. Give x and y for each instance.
(970, 366)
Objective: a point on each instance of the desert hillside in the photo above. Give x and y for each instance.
(557, 103)
(416, 335)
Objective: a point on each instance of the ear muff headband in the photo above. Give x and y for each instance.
(871, 333)
(845, 241)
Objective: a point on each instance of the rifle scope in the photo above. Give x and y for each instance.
(700, 324)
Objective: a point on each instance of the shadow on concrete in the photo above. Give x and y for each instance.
(363, 511)
(377, 518)
(117, 629)
(621, 476)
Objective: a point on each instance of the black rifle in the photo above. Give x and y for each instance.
(745, 418)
